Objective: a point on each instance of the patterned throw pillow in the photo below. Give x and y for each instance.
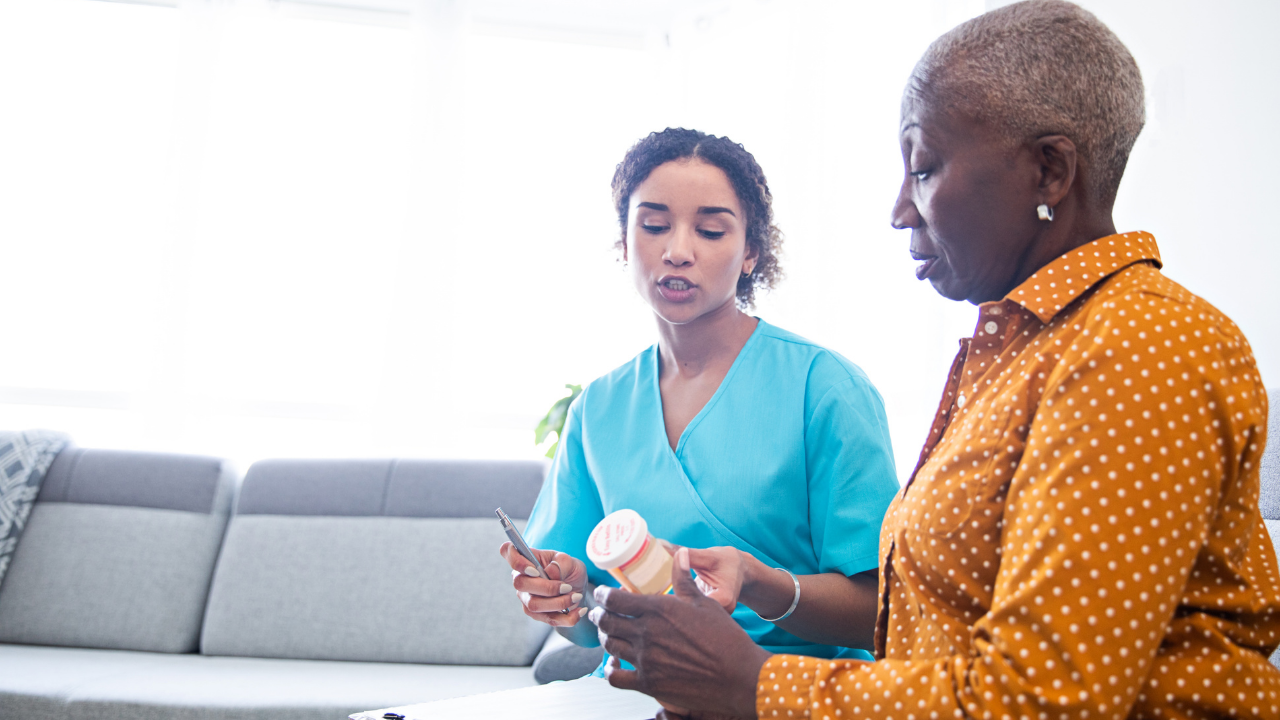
(24, 459)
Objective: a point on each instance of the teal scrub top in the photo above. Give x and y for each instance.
(789, 461)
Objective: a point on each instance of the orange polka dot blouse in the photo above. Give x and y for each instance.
(1081, 537)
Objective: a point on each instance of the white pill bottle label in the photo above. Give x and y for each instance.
(622, 545)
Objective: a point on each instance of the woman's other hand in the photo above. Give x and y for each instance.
(730, 576)
(722, 571)
(544, 600)
(688, 652)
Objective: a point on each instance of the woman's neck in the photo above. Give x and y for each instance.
(713, 340)
(1078, 222)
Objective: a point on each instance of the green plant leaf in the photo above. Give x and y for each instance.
(541, 432)
(553, 422)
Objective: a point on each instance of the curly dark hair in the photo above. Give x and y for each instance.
(748, 183)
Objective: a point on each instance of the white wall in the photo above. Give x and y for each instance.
(227, 232)
(1202, 176)
(813, 90)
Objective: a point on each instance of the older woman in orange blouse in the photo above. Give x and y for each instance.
(1080, 538)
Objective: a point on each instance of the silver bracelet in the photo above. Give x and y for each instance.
(794, 601)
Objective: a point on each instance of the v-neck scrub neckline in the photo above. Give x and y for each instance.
(789, 460)
(724, 382)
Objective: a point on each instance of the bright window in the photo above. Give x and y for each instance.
(252, 229)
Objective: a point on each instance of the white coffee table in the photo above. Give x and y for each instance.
(584, 699)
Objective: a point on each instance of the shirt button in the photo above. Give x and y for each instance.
(996, 310)
(991, 327)
(960, 401)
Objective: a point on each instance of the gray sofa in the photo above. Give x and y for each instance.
(157, 586)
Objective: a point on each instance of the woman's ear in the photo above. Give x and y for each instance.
(750, 259)
(1056, 155)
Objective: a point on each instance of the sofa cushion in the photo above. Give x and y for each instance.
(560, 659)
(392, 561)
(44, 683)
(377, 589)
(393, 488)
(1269, 499)
(36, 682)
(136, 479)
(118, 552)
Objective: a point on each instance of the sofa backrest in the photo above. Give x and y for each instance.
(118, 552)
(375, 560)
(1269, 499)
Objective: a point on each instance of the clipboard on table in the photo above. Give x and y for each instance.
(583, 699)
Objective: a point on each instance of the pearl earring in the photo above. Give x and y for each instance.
(1045, 212)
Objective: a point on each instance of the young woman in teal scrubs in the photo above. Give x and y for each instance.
(767, 451)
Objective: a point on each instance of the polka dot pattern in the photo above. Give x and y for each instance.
(1081, 538)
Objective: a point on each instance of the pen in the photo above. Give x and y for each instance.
(521, 546)
(516, 539)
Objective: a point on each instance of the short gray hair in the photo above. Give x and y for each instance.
(1044, 67)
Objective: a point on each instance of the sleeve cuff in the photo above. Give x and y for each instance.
(785, 684)
(861, 563)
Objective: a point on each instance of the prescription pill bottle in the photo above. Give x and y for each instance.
(621, 544)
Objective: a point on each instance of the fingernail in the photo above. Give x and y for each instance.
(565, 587)
(530, 571)
(596, 614)
(524, 598)
(602, 593)
(682, 559)
(515, 574)
(600, 634)
(575, 598)
(582, 611)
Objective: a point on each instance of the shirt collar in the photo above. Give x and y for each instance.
(1057, 284)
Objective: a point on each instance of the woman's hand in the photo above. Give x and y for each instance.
(730, 576)
(722, 571)
(835, 610)
(688, 652)
(545, 599)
